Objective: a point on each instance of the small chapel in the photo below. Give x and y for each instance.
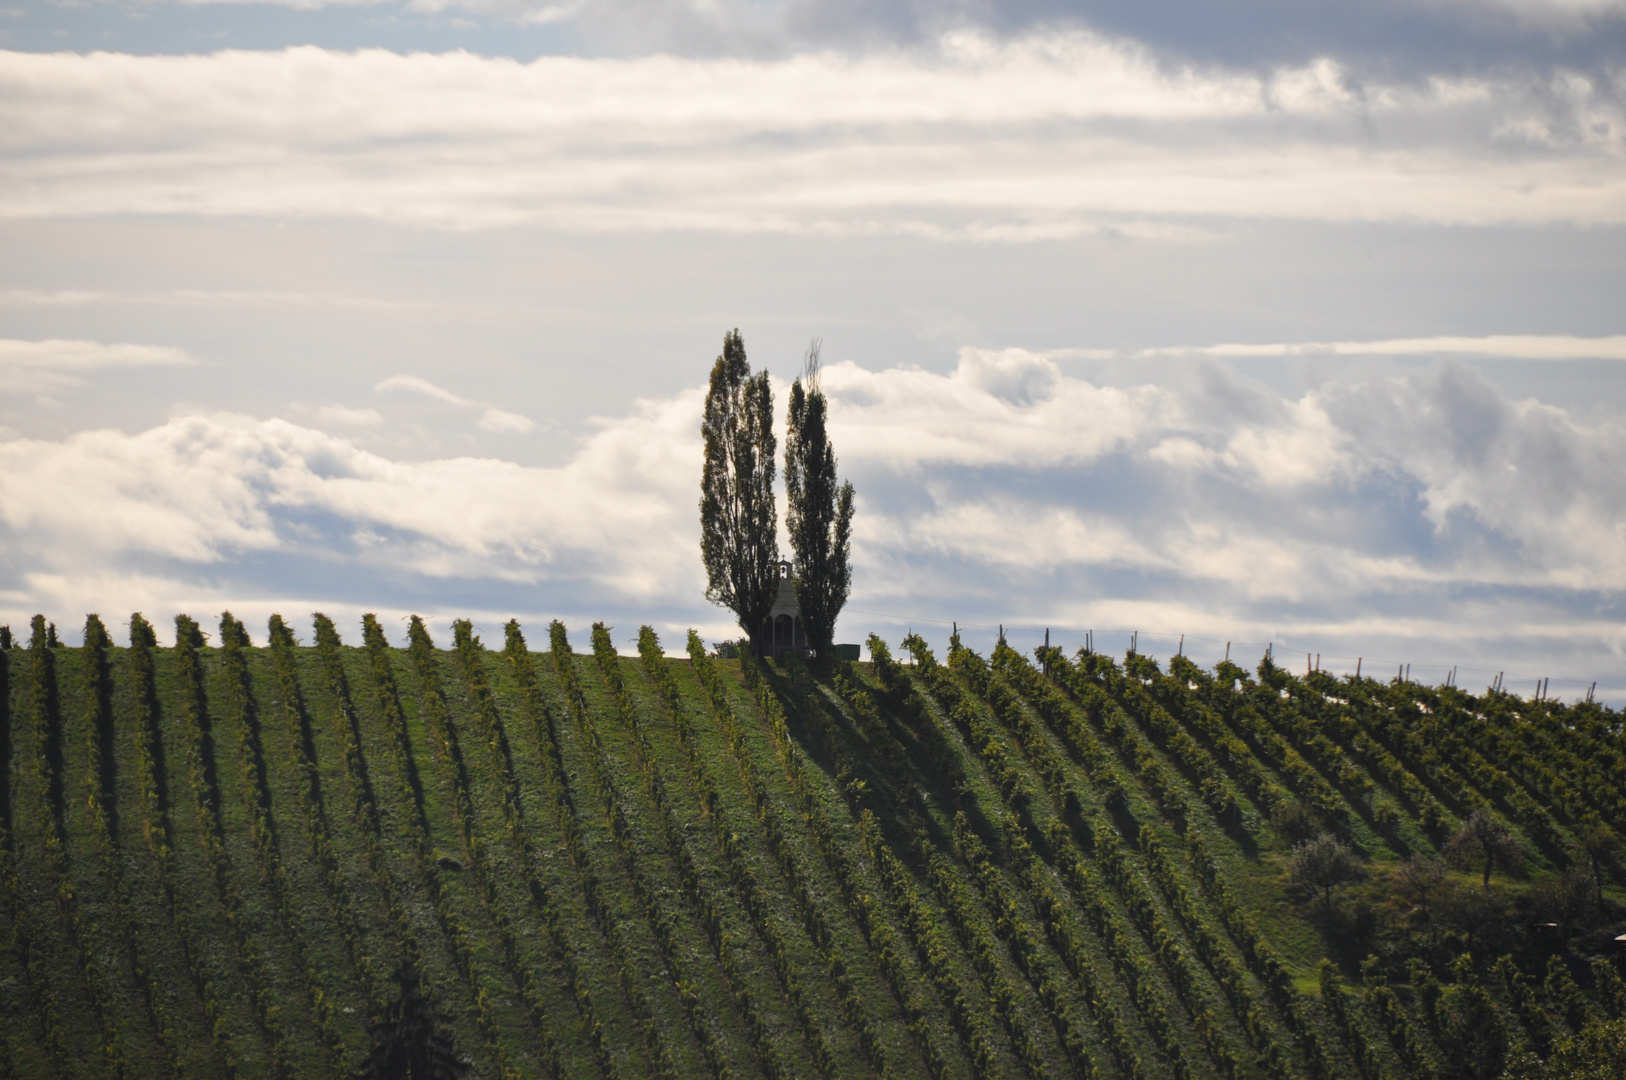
(786, 636)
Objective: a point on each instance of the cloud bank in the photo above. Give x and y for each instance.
(1499, 346)
(1421, 513)
(1046, 136)
(39, 367)
(1384, 37)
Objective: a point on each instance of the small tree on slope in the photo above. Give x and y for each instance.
(1483, 839)
(738, 519)
(1323, 864)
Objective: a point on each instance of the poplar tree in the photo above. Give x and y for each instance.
(739, 522)
(819, 513)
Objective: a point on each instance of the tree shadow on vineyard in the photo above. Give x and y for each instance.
(892, 787)
(408, 1042)
(884, 789)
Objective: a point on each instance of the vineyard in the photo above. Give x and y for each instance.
(278, 855)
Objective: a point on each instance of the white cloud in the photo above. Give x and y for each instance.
(914, 418)
(1305, 450)
(212, 488)
(343, 414)
(1499, 346)
(252, 298)
(413, 384)
(1525, 471)
(38, 367)
(1048, 136)
(492, 419)
(500, 421)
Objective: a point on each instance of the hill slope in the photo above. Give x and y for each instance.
(314, 860)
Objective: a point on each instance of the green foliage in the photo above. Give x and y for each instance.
(1322, 865)
(1597, 1052)
(1486, 841)
(1473, 1037)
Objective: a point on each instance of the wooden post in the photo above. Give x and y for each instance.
(1181, 651)
(1357, 667)
(1227, 652)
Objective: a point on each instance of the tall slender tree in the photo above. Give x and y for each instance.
(819, 513)
(739, 521)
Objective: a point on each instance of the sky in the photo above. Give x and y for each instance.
(1224, 325)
